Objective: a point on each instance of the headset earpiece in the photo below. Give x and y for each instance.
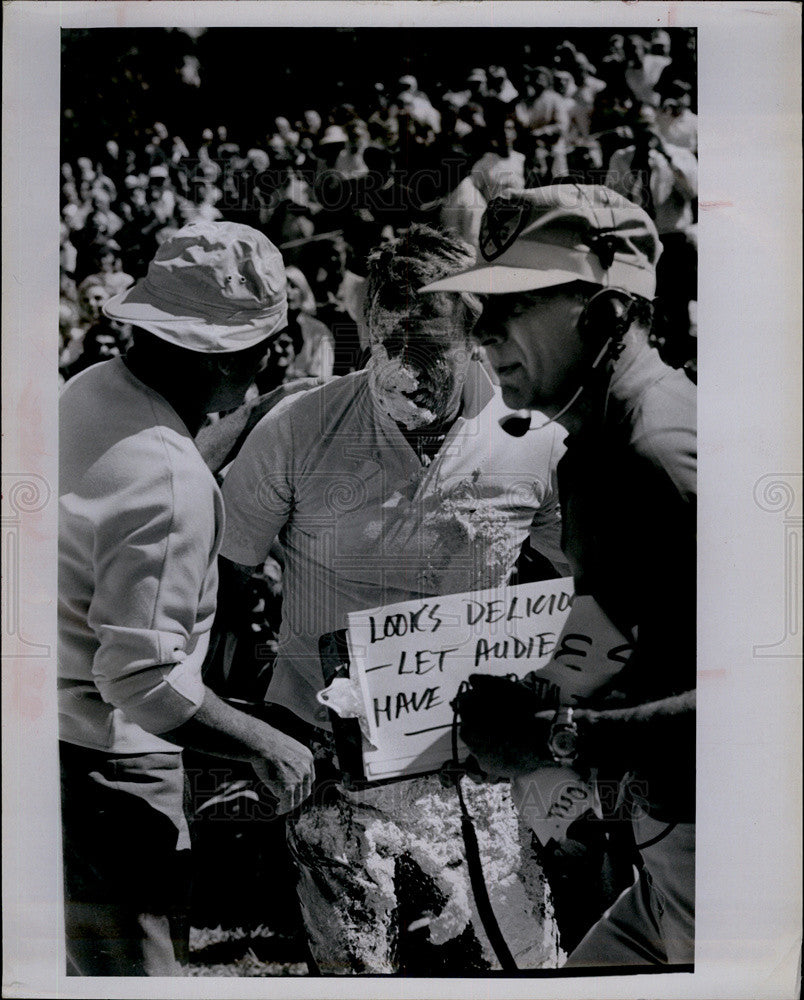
(607, 316)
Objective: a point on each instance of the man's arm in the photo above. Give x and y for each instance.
(281, 763)
(646, 735)
(509, 740)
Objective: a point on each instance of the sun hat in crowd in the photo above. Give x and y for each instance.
(554, 235)
(212, 287)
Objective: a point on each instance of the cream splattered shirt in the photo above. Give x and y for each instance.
(363, 522)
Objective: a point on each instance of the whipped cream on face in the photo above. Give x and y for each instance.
(389, 379)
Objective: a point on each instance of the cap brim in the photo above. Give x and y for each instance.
(496, 279)
(134, 306)
(193, 332)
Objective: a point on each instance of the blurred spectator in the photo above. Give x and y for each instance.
(103, 340)
(349, 162)
(675, 122)
(499, 86)
(643, 69)
(226, 149)
(612, 65)
(382, 123)
(663, 179)
(611, 119)
(310, 127)
(659, 176)
(155, 152)
(159, 193)
(544, 116)
(313, 344)
(462, 209)
(660, 43)
(587, 88)
(501, 168)
(109, 269)
(68, 255)
(71, 335)
(416, 103)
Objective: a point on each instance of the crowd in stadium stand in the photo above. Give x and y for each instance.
(329, 183)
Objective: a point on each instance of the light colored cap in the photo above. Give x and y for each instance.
(213, 287)
(334, 133)
(558, 234)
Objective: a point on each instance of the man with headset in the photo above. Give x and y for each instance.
(568, 277)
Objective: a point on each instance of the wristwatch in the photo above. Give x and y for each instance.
(563, 739)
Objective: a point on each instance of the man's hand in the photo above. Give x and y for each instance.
(505, 725)
(286, 768)
(284, 765)
(264, 404)
(221, 441)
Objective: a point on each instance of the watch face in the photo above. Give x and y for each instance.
(564, 743)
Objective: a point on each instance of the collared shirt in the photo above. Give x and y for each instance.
(140, 522)
(363, 522)
(628, 498)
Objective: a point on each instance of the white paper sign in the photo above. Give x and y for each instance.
(411, 657)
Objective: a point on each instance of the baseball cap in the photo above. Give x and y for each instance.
(212, 287)
(554, 235)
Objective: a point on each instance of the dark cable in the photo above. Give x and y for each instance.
(474, 864)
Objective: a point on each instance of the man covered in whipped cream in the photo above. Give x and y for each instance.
(390, 484)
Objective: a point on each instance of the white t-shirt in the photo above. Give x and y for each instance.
(673, 183)
(363, 522)
(493, 174)
(140, 523)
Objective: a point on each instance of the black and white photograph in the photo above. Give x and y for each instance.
(379, 593)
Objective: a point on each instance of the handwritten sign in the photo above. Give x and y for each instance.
(411, 657)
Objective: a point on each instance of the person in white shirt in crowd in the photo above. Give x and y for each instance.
(416, 103)
(643, 69)
(544, 116)
(313, 343)
(587, 88)
(657, 175)
(349, 162)
(501, 168)
(675, 122)
(474, 90)
(140, 523)
(461, 210)
(393, 483)
(499, 85)
(663, 179)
